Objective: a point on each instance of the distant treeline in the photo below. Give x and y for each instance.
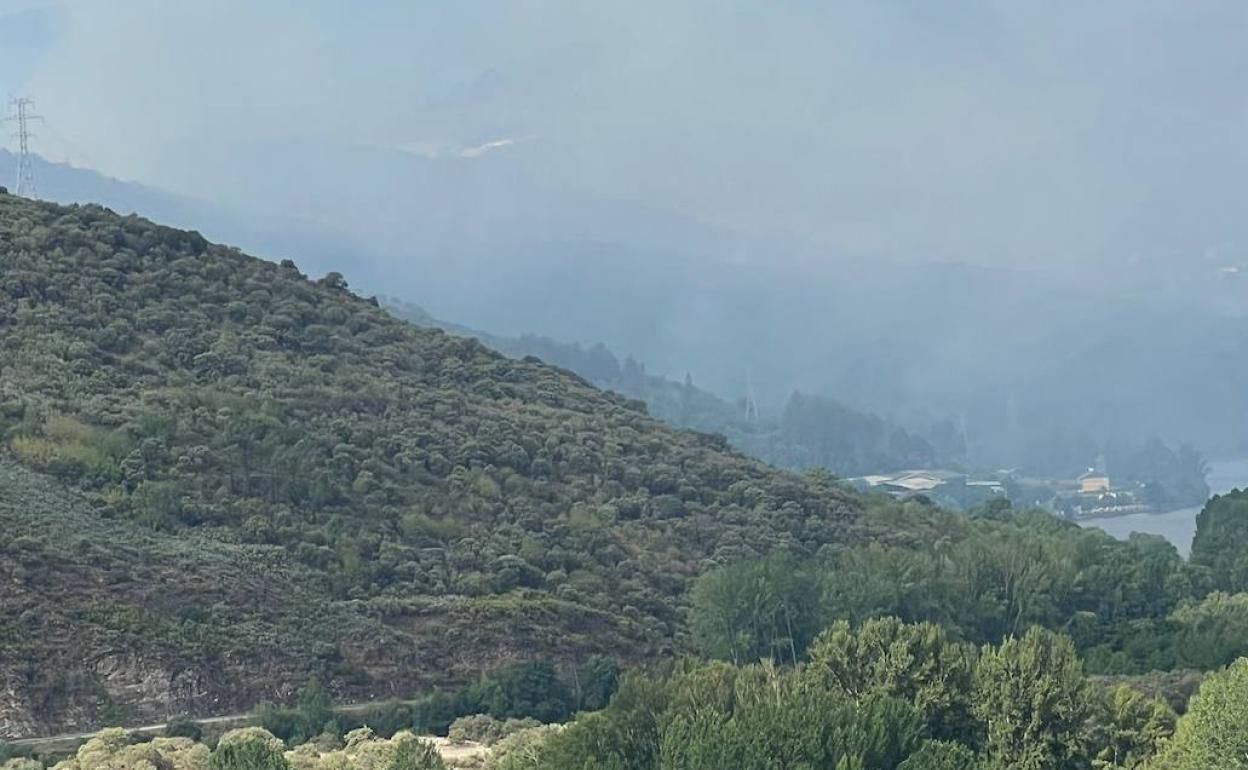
(809, 432)
(813, 431)
(1130, 607)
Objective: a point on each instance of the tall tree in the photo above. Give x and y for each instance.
(757, 609)
(914, 662)
(1032, 698)
(1129, 728)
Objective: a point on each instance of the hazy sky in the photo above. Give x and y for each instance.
(977, 130)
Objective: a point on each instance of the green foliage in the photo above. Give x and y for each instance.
(384, 718)
(767, 729)
(981, 579)
(530, 689)
(249, 748)
(114, 749)
(11, 753)
(1213, 734)
(184, 727)
(941, 755)
(483, 728)
(157, 504)
(407, 752)
(991, 577)
(523, 749)
(446, 498)
(596, 681)
(915, 663)
(811, 431)
(1221, 541)
(723, 716)
(315, 705)
(361, 749)
(819, 432)
(1211, 632)
(435, 713)
(624, 736)
(755, 610)
(1033, 700)
(312, 715)
(874, 697)
(502, 701)
(1129, 727)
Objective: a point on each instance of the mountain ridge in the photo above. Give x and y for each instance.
(467, 507)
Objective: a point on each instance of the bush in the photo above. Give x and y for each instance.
(387, 718)
(313, 716)
(522, 750)
(184, 727)
(482, 728)
(433, 714)
(531, 689)
(596, 681)
(250, 748)
(410, 753)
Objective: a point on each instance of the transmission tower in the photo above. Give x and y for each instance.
(21, 115)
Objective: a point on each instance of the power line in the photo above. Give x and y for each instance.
(21, 115)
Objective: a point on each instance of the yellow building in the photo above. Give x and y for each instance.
(1093, 482)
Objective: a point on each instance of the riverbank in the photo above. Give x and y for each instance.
(1178, 526)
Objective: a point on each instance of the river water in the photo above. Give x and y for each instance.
(1177, 526)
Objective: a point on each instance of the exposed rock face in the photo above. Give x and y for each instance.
(148, 689)
(16, 714)
(91, 632)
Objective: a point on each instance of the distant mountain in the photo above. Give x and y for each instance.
(1026, 363)
(1033, 370)
(228, 472)
(809, 432)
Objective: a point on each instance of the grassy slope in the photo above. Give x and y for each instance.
(277, 479)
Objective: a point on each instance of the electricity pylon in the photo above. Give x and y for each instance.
(21, 115)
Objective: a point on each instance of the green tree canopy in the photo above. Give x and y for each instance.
(1213, 734)
(914, 662)
(1129, 726)
(941, 755)
(758, 609)
(249, 748)
(1221, 541)
(1032, 698)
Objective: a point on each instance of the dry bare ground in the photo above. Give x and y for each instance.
(463, 756)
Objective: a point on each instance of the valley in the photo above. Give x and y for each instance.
(623, 386)
(458, 537)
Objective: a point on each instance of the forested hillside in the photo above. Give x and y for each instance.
(445, 506)
(809, 432)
